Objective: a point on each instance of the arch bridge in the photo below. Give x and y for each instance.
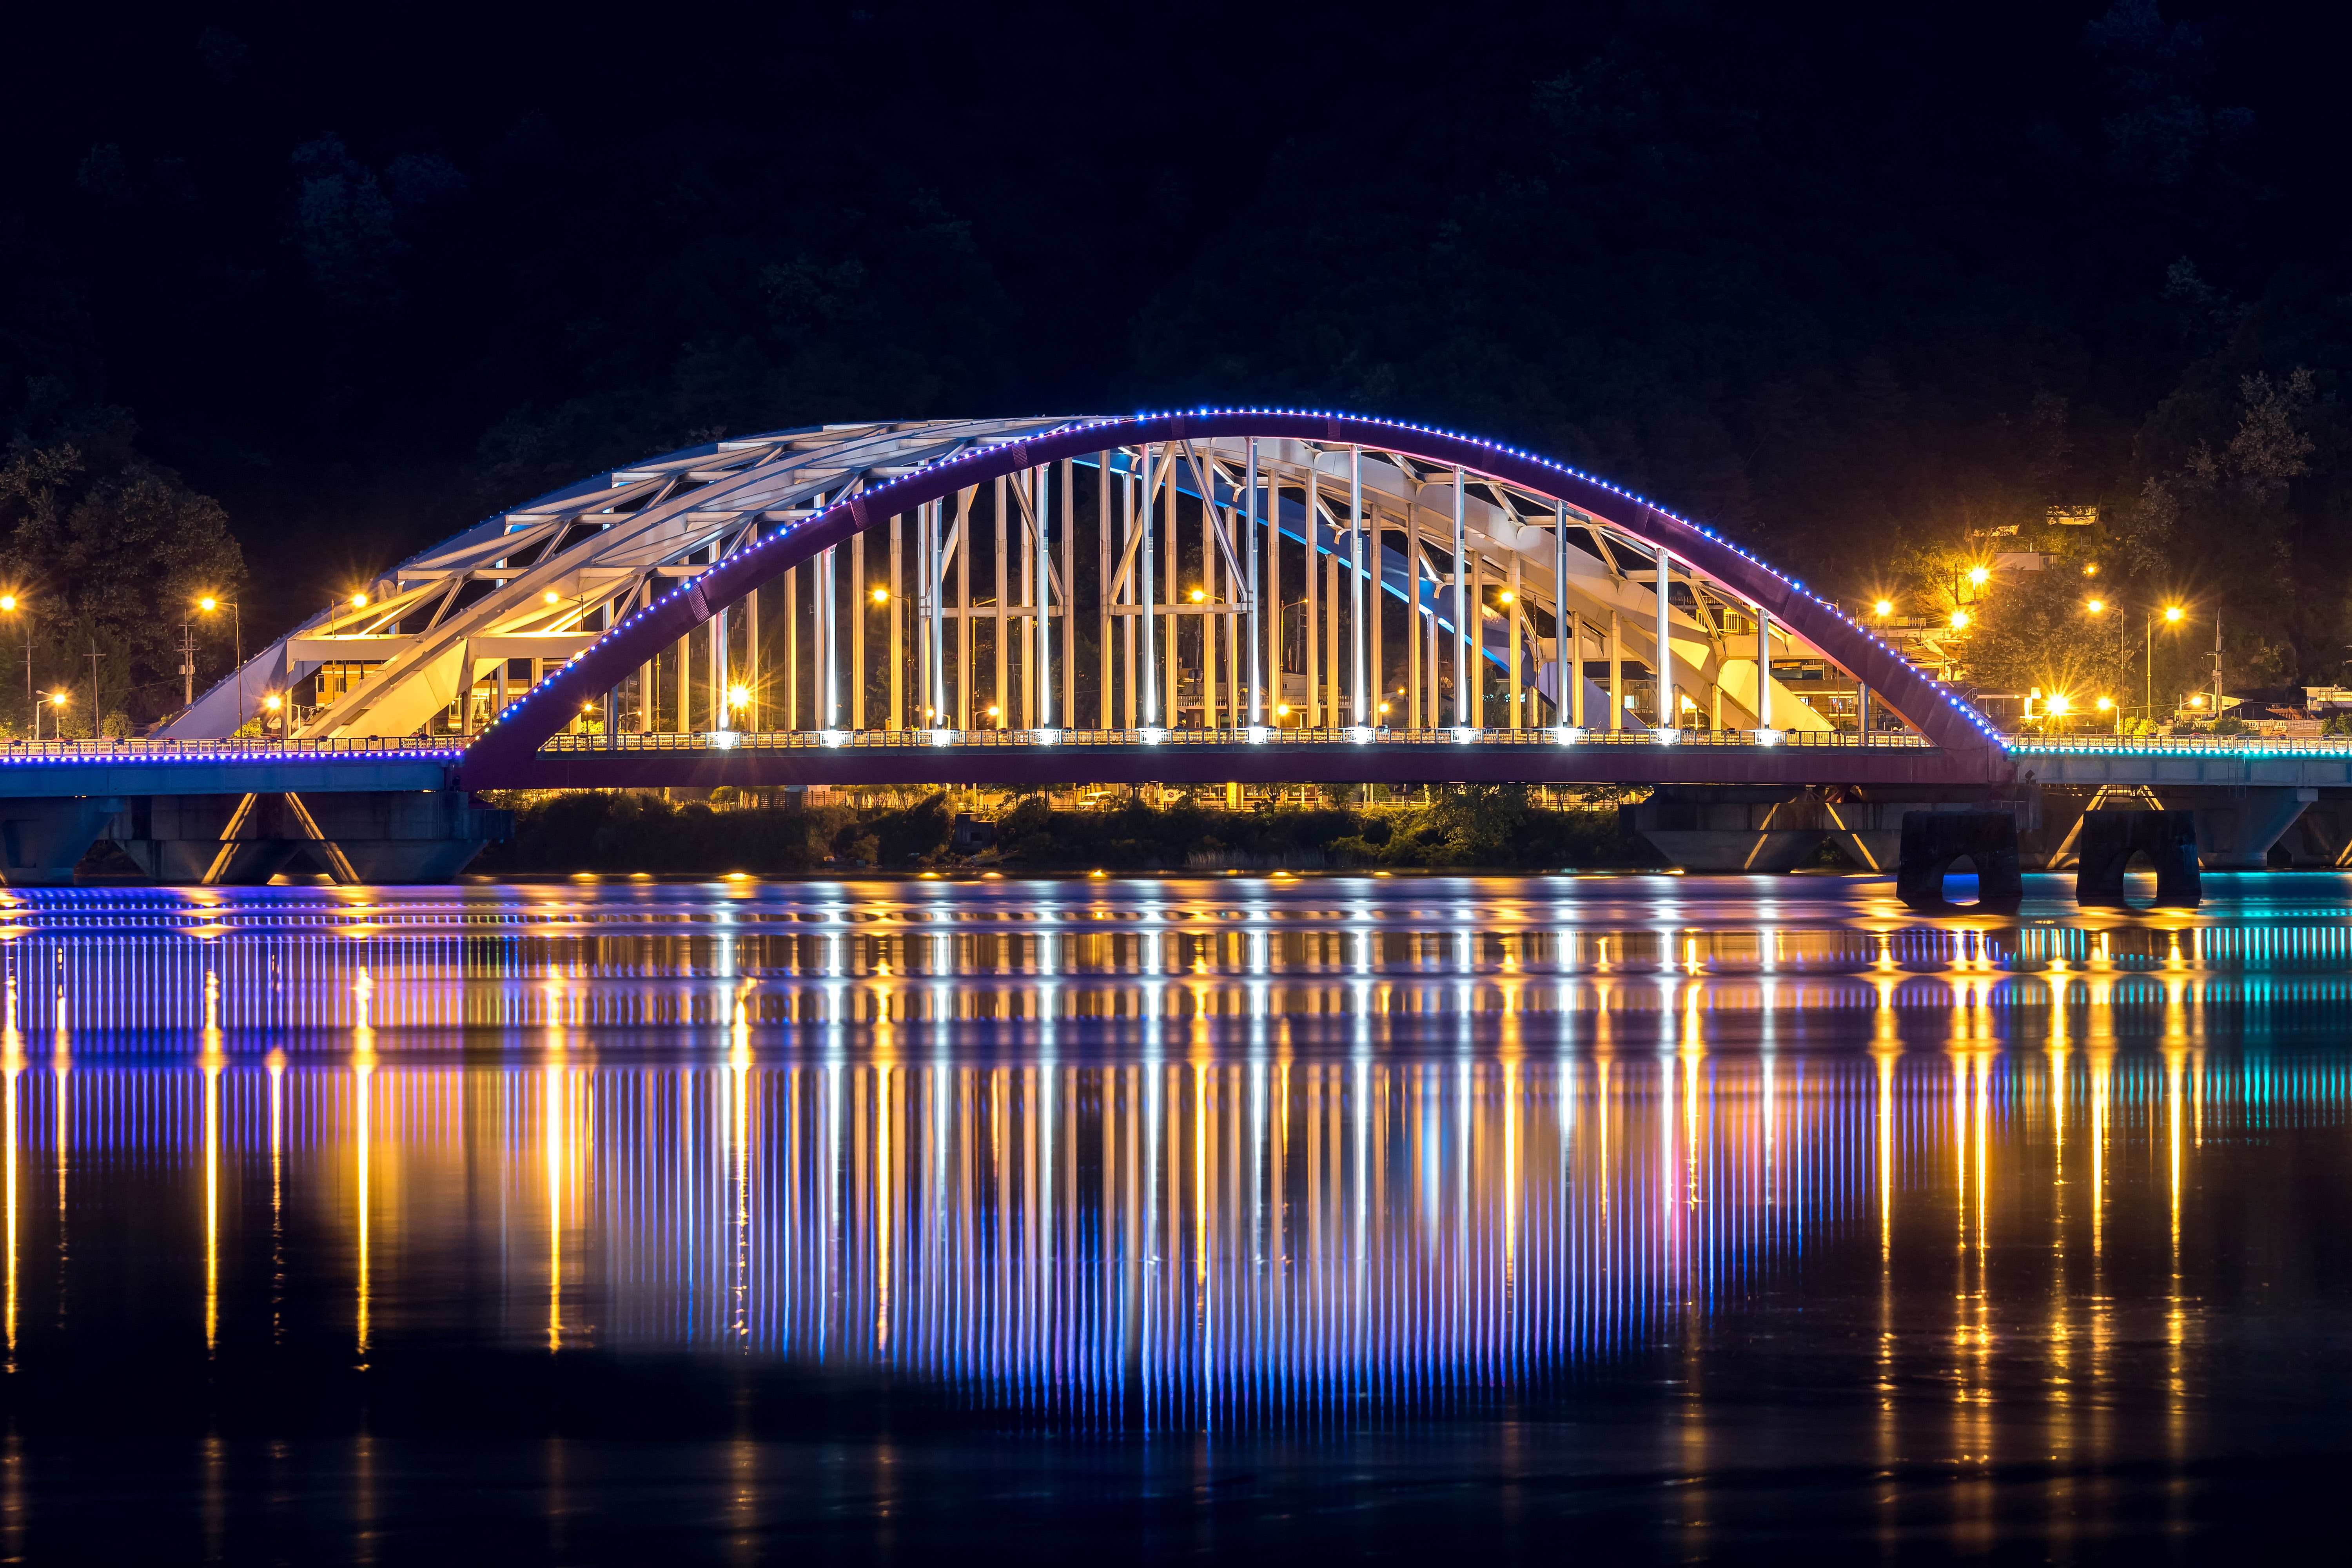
(1243, 598)
(1308, 582)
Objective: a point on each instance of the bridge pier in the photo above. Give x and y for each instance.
(371, 837)
(1731, 827)
(1869, 826)
(2321, 838)
(2237, 825)
(44, 839)
(1933, 840)
(2110, 838)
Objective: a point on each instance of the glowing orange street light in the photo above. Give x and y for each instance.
(1886, 607)
(208, 604)
(2061, 705)
(1979, 576)
(2171, 613)
(1959, 620)
(1199, 596)
(881, 595)
(359, 601)
(2095, 605)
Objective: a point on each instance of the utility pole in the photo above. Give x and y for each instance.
(2217, 667)
(187, 664)
(94, 715)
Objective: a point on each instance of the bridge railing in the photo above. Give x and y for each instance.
(2179, 745)
(135, 748)
(924, 739)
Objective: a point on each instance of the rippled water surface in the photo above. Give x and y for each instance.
(1236, 1217)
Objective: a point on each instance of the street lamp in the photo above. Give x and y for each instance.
(2148, 658)
(8, 606)
(58, 701)
(208, 604)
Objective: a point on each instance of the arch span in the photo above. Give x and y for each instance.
(502, 750)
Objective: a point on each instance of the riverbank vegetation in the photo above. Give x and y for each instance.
(1477, 826)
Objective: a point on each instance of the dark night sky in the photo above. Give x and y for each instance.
(366, 276)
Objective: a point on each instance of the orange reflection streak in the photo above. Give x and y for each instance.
(277, 1187)
(211, 1076)
(1346, 1213)
(551, 1134)
(363, 1144)
(13, 1067)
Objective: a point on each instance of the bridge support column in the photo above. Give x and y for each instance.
(44, 839)
(2236, 827)
(1933, 840)
(379, 836)
(1731, 827)
(1870, 830)
(2110, 838)
(2322, 837)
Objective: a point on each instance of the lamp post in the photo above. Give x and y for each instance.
(8, 607)
(2148, 658)
(237, 616)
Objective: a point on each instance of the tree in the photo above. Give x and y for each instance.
(107, 559)
(2037, 629)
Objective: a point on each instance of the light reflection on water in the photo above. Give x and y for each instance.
(1207, 1156)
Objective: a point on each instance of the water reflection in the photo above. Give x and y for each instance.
(1230, 1218)
(1215, 1157)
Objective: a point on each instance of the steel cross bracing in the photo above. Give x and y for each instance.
(541, 582)
(968, 578)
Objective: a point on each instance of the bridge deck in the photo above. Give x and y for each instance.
(1025, 757)
(1013, 757)
(52, 769)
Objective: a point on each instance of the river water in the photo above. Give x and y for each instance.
(1246, 1216)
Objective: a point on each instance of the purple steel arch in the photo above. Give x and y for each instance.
(502, 754)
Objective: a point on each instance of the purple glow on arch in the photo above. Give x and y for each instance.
(1901, 676)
